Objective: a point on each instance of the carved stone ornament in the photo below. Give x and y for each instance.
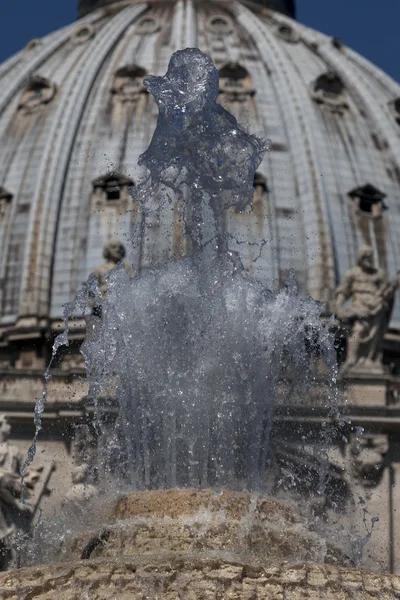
(368, 459)
(235, 84)
(83, 34)
(220, 24)
(328, 90)
(16, 517)
(364, 303)
(128, 84)
(147, 25)
(38, 92)
(5, 204)
(32, 45)
(288, 33)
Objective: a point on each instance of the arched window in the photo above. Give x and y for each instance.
(235, 83)
(128, 84)
(111, 189)
(38, 92)
(5, 205)
(329, 90)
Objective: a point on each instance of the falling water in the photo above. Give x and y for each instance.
(192, 354)
(187, 359)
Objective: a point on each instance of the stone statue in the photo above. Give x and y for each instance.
(114, 254)
(81, 491)
(15, 516)
(369, 297)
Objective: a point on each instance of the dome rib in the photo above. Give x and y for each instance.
(35, 291)
(12, 83)
(320, 269)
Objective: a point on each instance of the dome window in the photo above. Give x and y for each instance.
(337, 43)
(38, 92)
(112, 189)
(83, 34)
(5, 204)
(329, 90)
(147, 25)
(369, 200)
(128, 83)
(235, 83)
(260, 182)
(368, 207)
(220, 24)
(395, 109)
(288, 33)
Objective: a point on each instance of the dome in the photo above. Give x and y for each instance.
(75, 116)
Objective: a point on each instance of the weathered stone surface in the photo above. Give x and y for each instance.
(192, 577)
(238, 523)
(197, 545)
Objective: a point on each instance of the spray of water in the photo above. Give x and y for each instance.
(191, 355)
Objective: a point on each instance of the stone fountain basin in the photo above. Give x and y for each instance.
(198, 545)
(193, 577)
(243, 525)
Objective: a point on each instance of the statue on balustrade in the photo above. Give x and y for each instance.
(16, 515)
(114, 253)
(363, 303)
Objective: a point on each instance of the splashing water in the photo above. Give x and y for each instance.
(192, 356)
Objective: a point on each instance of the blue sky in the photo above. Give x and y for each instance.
(367, 26)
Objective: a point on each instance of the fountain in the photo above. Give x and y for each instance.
(186, 362)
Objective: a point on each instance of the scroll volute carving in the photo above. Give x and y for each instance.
(37, 94)
(235, 83)
(128, 84)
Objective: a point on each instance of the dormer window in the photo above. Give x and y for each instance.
(128, 83)
(147, 25)
(329, 90)
(235, 83)
(5, 204)
(260, 182)
(38, 92)
(395, 109)
(368, 208)
(83, 34)
(369, 200)
(337, 43)
(112, 189)
(288, 33)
